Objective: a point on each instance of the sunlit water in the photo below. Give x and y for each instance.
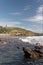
(10, 54)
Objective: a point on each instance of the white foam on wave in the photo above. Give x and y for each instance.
(4, 42)
(33, 39)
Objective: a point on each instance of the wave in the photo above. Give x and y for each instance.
(32, 39)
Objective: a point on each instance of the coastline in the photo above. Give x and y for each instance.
(4, 35)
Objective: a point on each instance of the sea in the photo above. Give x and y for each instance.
(11, 51)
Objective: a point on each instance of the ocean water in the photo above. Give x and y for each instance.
(11, 53)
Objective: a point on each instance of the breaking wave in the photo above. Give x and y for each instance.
(32, 39)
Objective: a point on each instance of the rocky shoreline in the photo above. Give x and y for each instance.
(33, 54)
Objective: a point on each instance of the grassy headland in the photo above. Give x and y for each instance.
(14, 31)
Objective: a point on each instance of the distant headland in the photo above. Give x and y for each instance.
(15, 31)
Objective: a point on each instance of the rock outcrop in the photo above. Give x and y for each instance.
(32, 54)
(39, 49)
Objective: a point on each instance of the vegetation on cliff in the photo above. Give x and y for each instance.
(18, 31)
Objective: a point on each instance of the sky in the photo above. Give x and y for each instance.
(27, 14)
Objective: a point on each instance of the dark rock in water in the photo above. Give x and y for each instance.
(32, 54)
(1, 42)
(39, 49)
(26, 52)
(18, 47)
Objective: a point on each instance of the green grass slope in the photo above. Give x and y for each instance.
(14, 31)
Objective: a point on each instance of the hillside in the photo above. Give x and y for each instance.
(14, 31)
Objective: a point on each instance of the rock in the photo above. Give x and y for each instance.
(37, 44)
(1, 42)
(32, 54)
(39, 49)
(18, 47)
(11, 42)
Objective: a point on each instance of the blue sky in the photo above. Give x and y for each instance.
(27, 14)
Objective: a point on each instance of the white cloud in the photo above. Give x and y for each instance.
(15, 13)
(40, 10)
(38, 18)
(4, 22)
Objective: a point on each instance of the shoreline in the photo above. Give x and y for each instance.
(5, 35)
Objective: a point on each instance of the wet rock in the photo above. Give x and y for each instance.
(32, 54)
(1, 42)
(11, 42)
(18, 47)
(39, 49)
